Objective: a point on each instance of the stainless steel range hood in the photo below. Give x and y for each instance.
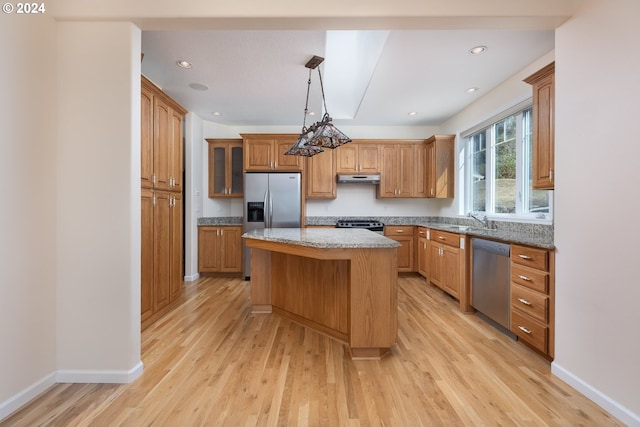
(359, 179)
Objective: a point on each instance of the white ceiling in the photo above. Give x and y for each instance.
(258, 78)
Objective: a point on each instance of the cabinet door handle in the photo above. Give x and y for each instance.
(528, 279)
(524, 301)
(525, 330)
(524, 256)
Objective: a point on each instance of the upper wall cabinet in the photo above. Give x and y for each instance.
(358, 157)
(320, 172)
(543, 84)
(441, 166)
(161, 139)
(225, 168)
(402, 170)
(265, 153)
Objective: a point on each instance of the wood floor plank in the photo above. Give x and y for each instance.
(211, 362)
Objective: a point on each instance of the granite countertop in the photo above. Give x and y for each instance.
(509, 236)
(538, 235)
(220, 220)
(326, 238)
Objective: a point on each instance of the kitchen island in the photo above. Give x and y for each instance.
(340, 282)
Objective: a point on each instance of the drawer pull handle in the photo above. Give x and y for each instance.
(524, 277)
(524, 301)
(399, 231)
(524, 256)
(525, 330)
(442, 238)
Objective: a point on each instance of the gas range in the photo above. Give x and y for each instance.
(372, 225)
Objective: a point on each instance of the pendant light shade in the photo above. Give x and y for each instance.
(327, 135)
(322, 134)
(302, 147)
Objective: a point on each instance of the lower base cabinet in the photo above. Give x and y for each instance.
(161, 253)
(403, 234)
(220, 249)
(422, 252)
(445, 262)
(532, 294)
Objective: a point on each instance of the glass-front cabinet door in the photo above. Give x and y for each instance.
(225, 167)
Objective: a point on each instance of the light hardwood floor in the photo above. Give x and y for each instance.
(211, 362)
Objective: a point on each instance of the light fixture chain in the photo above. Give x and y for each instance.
(322, 91)
(306, 104)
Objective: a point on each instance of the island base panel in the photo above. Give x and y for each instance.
(313, 289)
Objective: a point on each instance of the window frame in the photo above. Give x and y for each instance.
(523, 192)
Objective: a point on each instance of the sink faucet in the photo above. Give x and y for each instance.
(481, 219)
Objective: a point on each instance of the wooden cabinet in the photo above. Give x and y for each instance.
(147, 255)
(161, 167)
(225, 168)
(146, 137)
(441, 166)
(161, 252)
(220, 249)
(320, 173)
(265, 153)
(402, 170)
(404, 235)
(543, 124)
(446, 262)
(160, 139)
(422, 253)
(358, 158)
(532, 294)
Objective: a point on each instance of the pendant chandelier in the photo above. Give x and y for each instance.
(322, 134)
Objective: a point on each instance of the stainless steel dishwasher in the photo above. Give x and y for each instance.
(490, 280)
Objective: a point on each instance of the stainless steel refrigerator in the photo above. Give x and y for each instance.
(271, 200)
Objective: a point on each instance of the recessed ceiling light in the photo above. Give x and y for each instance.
(217, 113)
(413, 113)
(472, 90)
(312, 113)
(198, 86)
(183, 64)
(477, 50)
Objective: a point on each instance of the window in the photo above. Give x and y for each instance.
(499, 170)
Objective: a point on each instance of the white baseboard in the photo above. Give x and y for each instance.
(192, 277)
(12, 404)
(604, 401)
(106, 377)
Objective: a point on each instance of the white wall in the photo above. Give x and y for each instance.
(194, 152)
(597, 204)
(28, 214)
(98, 199)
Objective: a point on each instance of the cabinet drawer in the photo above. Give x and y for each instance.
(398, 230)
(531, 257)
(530, 330)
(534, 279)
(532, 303)
(422, 232)
(451, 239)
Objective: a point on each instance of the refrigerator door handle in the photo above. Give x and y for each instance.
(270, 210)
(267, 214)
